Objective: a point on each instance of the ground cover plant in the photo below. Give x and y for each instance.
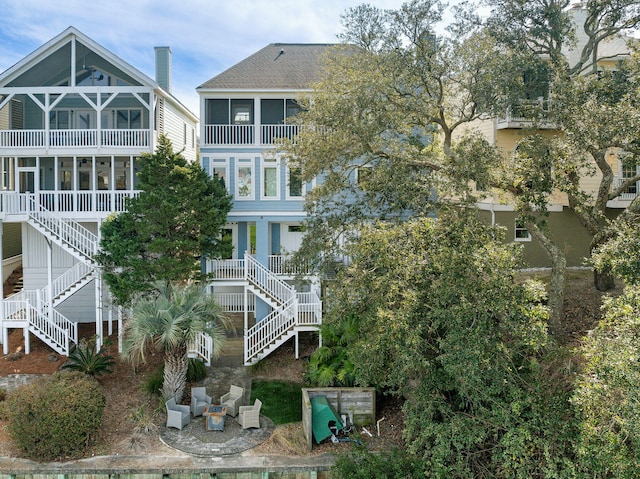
(281, 400)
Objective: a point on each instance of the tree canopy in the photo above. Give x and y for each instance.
(392, 125)
(164, 233)
(169, 321)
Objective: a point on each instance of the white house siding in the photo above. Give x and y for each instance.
(174, 128)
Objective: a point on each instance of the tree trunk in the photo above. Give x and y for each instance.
(175, 376)
(556, 288)
(604, 280)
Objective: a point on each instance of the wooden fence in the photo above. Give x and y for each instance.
(360, 403)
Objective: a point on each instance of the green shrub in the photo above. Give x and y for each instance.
(56, 417)
(86, 359)
(330, 364)
(362, 464)
(153, 384)
(197, 370)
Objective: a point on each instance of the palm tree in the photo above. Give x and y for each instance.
(169, 321)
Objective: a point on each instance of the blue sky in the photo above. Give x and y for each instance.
(206, 36)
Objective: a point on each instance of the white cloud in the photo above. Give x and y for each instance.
(205, 36)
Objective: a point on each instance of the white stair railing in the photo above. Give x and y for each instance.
(268, 282)
(202, 347)
(68, 232)
(67, 280)
(36, 306)
(270, 330)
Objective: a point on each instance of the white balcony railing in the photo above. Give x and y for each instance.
(269, 134)
(234, 302)
(226, 268)
(229, 135)
(67, 201)
(140, 138)
(281, 265)
(245, 134)
(524, 112)
(630, 193)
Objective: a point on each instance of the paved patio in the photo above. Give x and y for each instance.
(195, 440)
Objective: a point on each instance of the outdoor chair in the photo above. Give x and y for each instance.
(232, 400)
(177, 414)
(199, 401)
(249, 416)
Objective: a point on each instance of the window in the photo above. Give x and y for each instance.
(270, 183)
(294, 184)
(244, 180)
(218, 170)
(629, 171)
(59, 120)
(521, 233)
(128, 119)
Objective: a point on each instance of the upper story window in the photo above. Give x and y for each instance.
(275, 116)
(128, 119)
(278, 111)
(270, 177)
(244, 180)
(294, 183)
(229, 111)
(92, 77)
(219, 173)
(60, 119)
(521, 233)
(229, 122)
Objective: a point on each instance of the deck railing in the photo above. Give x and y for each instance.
(226, 268)
(525, 112)
(269, 134)
(630, 193)
(85, 138)
(68, 201)
(229, 135)
(245, 134)
(309, 309)
(234, 302)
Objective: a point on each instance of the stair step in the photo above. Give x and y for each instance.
(233, 347)
(18, 285)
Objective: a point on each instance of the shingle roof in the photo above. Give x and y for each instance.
(278, 65)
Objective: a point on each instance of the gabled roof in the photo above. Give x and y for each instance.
(277, 66)
(62, 39)
(38, 58)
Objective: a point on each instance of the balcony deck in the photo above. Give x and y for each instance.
(16, 141)
(246, 134)
(73, 204)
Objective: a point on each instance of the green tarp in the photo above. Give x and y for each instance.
(323, 415)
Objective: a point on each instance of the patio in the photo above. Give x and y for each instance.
(195, 440)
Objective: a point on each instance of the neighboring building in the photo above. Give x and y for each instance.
(74, 119)
(245, 109)
(506, 132)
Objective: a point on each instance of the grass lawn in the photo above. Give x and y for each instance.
(281, 400)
